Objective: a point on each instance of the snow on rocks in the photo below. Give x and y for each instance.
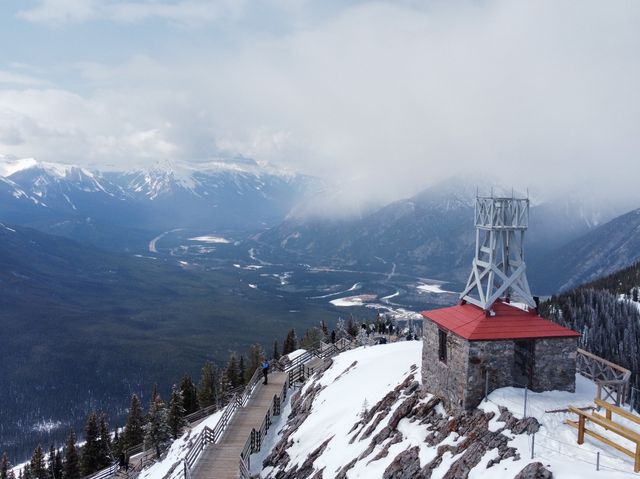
(366, 417)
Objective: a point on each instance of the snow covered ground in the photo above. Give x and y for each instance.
(211, 239)
(360, 378)
(170, 466)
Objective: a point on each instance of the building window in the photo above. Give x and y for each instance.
(442, 345)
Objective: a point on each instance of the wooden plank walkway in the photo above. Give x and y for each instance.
(222, 460)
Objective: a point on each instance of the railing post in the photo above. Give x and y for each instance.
(533, 444)
(598, 461)
(486, 385)
(525, 402)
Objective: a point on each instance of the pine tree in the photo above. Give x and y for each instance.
(51, 462)
(5, 465)
(242, 370)
(276, 353)
(58, 469)
(232, 371)
(90, 450)
(26, 472)
(189, 395)
(352, 328)
(104, 444)
(157, 432)
(38, 464)
(116, 444)
(176, 412)
(71, 460)
(133, 433)
(207, 385)
(289, 344)
(325, 330)
(333, 336)
(256, 354)
(341, 329)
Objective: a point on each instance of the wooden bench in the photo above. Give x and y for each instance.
(609, 425)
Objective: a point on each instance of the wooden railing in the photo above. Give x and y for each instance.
(609, 424)
(611, 379)
(253, 443)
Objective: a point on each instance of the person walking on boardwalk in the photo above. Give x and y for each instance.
(265, 370)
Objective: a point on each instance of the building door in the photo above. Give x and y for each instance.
(523, 363)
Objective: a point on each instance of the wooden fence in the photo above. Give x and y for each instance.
(611, 379)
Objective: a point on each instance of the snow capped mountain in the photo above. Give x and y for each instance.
(237, 193)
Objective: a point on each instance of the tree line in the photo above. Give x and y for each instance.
(163, 420)
(606, 313)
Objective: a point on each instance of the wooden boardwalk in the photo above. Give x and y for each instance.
(222, 460)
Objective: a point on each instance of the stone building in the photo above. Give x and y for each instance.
(487, 342)
(466, 351)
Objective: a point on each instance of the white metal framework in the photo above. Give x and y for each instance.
(498, 268)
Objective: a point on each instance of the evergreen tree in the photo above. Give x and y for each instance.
(90, 450)
(58, 468)
(116, 444)
(352, 328)
(176, 412)
(232, 371)
(311, 338)
(289, 344)
(341, 329)
(256, 354)
(51, 462)
(207, 385)
(104, 444)
(189, 395)
(154, 394)
(38, 464)
(276, 353)
(333, 336)
(71, 460)
(26, 472)
(242, 370)
(157, 433)
(325, 330)
(5, 465)
(133, 433)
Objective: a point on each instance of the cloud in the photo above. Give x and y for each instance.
(387, 97)
(12, 78)
(185, 12)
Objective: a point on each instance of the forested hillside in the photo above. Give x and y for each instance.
(607, 313)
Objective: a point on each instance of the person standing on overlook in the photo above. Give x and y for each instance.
(265, 370)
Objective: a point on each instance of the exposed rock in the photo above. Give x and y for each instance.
(306, 469)
(301, 405)
(535, 470)
(406, 465)
(383, 407)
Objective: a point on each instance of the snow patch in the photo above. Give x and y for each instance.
(210, 239)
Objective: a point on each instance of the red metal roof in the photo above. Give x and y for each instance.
(509, 322)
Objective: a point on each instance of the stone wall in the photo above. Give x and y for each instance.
(445, 380)
(494, 357)
(460, 382)
(555, 364)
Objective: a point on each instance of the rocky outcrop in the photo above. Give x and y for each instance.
(462, 437)
(535, 470)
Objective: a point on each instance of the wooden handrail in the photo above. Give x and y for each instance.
(612, 409)
(609, 425)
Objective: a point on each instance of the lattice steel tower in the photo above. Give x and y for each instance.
(498, 269)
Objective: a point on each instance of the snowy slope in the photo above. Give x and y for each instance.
(171, 463)
(363, 418)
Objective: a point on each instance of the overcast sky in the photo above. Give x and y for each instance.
(385, 96)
